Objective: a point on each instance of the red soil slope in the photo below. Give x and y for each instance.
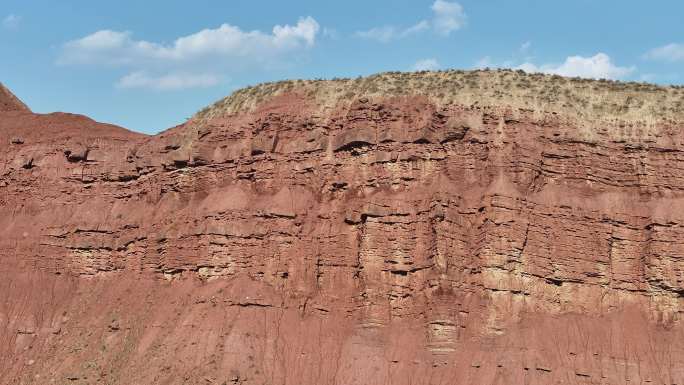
(390, 240)
(9, 102)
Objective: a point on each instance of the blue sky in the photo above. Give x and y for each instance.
(149, 65)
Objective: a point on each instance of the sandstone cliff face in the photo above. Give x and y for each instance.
(487, 228)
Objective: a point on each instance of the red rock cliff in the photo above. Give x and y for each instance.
(483, 227)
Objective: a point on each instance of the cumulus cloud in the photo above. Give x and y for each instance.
(331, 33)
(446, 18)
(388, 33)
(418, 27)
(520, 55)
(487, 62)
(672, 52)
(11, 21)
(426, 65)
(174, 81)
(525, 47)
(661, 77)
(226, 41)
(599, 66)
(190, 61)
(381, 34)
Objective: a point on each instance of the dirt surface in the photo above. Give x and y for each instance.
(383, 240)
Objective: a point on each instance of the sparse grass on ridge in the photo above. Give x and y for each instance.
(584, 100)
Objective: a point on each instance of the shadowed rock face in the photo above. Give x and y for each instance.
(394, 239)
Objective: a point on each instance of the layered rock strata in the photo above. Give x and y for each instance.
(485, 227)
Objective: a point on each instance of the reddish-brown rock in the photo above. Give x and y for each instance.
(9, 102)
(434, 228)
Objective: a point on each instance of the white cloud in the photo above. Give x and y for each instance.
(447, 17)
(671, 52)
(426, 65)
(388, 33)
(381, 34)
(11, 21)
(648, 77)
(517, 56)
(661, 78)
(525, 47)
(599, 66)
(226, 41)
(190, 61)
(174, 81)
(418, 27)
(331, 33)
(485, 62)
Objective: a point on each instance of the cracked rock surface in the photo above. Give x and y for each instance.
(381, 240)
